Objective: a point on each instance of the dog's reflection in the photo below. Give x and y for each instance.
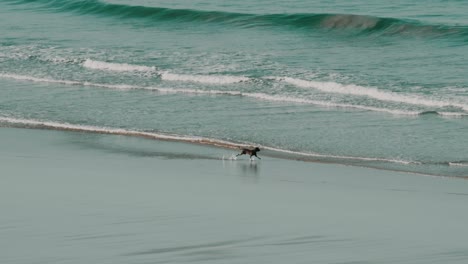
(247, 170)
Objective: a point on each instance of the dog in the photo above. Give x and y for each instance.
(251, 152)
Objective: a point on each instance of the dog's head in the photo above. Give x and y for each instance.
(257, 149)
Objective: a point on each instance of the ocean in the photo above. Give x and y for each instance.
(381, 84)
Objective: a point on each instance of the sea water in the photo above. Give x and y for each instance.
(376, 84)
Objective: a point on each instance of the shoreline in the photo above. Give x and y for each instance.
(223, 144)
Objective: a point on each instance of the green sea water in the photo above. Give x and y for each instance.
(369, 84)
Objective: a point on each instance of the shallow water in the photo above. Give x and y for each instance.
(378, 85)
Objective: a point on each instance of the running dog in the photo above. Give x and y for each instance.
(251, 152)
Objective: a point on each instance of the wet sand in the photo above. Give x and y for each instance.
(70, 197)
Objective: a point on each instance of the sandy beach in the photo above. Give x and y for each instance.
(69, 197)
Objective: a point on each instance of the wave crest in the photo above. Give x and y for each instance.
(351, 89)
(359, 23)
(118, 67)
(208, 79)
(349, 21)
(164, 75)
(257, 96)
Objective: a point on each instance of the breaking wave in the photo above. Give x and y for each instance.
(459, 163)
(165, 75)
(356, 23)
(351, 89)
(328, 87)
(257, 96)
(208, 79)
(118, 67)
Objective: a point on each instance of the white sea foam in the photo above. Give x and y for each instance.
(118, 86)
(208, 79)
(317, 155)
(277, 98)
(452, 114)
(351, 89)
(68, 82)
(160, 136)
(115, 131)
(459, 164)
(35, 79)
(118, 67)
(259, 96)
(165, 75)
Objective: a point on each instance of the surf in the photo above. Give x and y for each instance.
(352, 23)
(351, 89)
(258, 96)
(117, 67)
(254, 95)
(445, 107)
(163, 74)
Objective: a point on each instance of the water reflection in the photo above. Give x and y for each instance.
(246, 169)
(249, 169)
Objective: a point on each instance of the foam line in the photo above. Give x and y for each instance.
(452, 114)
(259, 96)
(330, 87)
(351, 89)
(35, 79)
(208, 79)
(317, 155)
(118, 67)
(458, 164)
(31, 123)
(276, 98)
(165, 75)
(28, 123)
(118, 86)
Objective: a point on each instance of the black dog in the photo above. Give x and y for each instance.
(251, 152)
